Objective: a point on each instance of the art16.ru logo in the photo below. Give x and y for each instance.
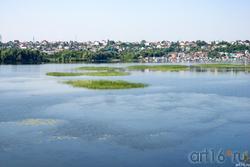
(221, 156)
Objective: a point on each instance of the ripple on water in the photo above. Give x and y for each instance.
(148, 121)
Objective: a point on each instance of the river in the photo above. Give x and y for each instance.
(44, 122)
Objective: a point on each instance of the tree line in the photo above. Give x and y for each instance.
(109, 54)
(21, 56)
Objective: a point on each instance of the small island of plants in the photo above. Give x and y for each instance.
(64, 74)
(159, 67)
(93, 68)
(105, 84)
(99, 73)
(222, 66)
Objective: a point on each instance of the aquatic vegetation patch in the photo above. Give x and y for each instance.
(99, 73)
(107, 73)
(64, 74)
(222, 66)
(38, 122)
(96, 68)
(159, 67)
(105, 84)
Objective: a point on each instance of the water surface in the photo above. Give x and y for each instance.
(46, 123)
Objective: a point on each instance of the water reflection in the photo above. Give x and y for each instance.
(220, 70)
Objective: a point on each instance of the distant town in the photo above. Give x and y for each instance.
(116, 51)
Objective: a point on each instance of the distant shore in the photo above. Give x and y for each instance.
(16, 52)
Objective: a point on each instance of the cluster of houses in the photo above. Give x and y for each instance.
(199, 57)
(185, 49)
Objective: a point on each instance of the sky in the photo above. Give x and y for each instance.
(124, 20)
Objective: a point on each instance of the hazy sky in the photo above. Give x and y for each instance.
(126, 20)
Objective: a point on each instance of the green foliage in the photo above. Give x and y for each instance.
(64, 74)
(159, 67)
(107, 73)
(214, 54)
(68, 56)
(201, 43)
(16, 56)
(103, 73)
(98, 68)
(128, 57)
(104, 84)
(113, 52)
(232, 48)
(84, 56)
(222, 66)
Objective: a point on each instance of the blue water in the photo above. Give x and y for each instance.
(157, 126)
